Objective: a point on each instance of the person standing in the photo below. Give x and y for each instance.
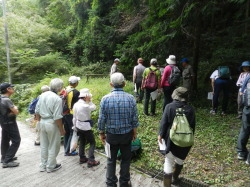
(117, 123)
(44, 88)
(219, 84)
(137, 79)
(153, 68)
(83, 124)
(114, 67)
(187, 74)
(49, 112)
(175, 155)
(72, 98)
(245, 72)
(10, 131)
(241, 148)
(168, 88)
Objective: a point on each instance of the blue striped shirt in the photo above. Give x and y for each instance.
(118, 113)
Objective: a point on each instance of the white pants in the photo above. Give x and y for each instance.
(170, 159)
(50, 143)
(37, 138)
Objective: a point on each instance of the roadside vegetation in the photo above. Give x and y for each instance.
(213, 158)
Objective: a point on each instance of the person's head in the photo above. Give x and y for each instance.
(184, 62)
(153, 62)
(140, 61)
(45, 88)
(117, 60)
(117, 80)
(171, 60)
(245, 66)
(180, 94)
(73, 81)
(84, 93)
(56, 85)
(7, 88)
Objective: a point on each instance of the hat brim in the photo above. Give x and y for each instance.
(170, 62)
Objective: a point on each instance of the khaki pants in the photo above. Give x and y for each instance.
(50, 143)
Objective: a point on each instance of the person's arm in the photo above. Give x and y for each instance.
(14, 110)
(212, 84)
(134, 134)
(164, 123)
(143, 79)
(60, 126)
(102, 122)
(135, 121)
(134, 75)
(244, 85)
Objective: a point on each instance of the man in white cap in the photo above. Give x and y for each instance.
(72, 98)
(114, 66)
(168, 87)
(117, 123)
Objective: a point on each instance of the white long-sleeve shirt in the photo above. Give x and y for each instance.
(82, 112)
(242, 78)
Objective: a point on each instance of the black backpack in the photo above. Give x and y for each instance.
(175, 75)
(3, 112)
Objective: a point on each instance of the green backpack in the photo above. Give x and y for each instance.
(181, 134)
(224, 72)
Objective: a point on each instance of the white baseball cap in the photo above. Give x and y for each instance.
(73, 79)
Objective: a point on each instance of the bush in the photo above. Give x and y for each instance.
(38, 68)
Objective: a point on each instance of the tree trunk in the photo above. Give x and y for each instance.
(247, 15)
(196, 50)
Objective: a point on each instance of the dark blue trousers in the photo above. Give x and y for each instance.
(221, 85)
(68, 124)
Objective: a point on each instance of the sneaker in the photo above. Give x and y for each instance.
(42, 169)
(57, 167)
(14, 158)
(37, 143)
(223, 113)
(248, 163)
(83, 160)
(74, 153)
(212, 112)
(241, 156)
(10, 164)
(93, 163)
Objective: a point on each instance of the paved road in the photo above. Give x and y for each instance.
(72, 174)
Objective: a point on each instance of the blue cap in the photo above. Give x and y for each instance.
(246, 63)
(184, 60)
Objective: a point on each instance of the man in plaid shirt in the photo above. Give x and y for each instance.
(117, 123)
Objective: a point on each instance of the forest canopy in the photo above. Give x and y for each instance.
(49, 36)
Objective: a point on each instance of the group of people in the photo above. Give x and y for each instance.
(63, 112)
(140, 74)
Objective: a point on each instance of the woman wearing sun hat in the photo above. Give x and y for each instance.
(245, 72)
(83, 124)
